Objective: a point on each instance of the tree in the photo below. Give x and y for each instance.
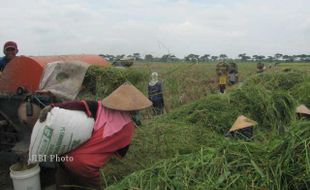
(303, 57)
(270, 58)
(244, 57)
(168, 57)
(192, 58)
(258, 57)
(108, 57)
(261, 57)
(278, 56)
(241, 55)
(119, 56)
(204, 57)
(214, 58)
(223, 56)
(289, 58)
(137, 56)
(148, 57)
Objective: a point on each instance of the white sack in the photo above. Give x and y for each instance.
(63, 78)
(62, 131)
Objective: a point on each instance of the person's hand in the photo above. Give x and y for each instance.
(44, 112)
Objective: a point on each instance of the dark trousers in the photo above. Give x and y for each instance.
(67, 180)
(158, 107)
(245, 133)
(222, 88)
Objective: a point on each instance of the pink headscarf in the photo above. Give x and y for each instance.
(112, 120)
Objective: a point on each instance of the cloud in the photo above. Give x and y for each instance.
(44, 27)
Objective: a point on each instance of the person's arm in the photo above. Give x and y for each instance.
(122, 152)
(161, 93)
(89, 107)
(2, 64)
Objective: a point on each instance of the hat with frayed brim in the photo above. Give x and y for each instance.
(302, 109)
(241, 123)
(126, 98)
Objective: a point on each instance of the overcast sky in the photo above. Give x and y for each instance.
(179, 27)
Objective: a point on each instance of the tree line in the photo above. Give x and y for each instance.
(278, 57)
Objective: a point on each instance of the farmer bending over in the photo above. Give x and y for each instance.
(242, 128)
(112, 135)
(303, 112)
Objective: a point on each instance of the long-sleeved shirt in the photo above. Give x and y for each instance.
(3, 62)
(94, 153)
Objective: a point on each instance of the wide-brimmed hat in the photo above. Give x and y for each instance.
(126, 98)
(302, 109)
(241, 123)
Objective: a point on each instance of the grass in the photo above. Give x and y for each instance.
(282, 163)
(185, 149)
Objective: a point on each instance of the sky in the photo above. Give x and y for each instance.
(157, 27)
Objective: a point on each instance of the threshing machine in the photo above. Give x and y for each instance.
(20, 100)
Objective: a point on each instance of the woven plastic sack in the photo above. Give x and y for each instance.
(62, 131)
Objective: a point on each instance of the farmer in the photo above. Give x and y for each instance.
(232, 76)
(232, 73)
(242, 128)
(303, 112)
(155, 94)
(112, 135)
(260, 67)
(222, 79)
(10, 50)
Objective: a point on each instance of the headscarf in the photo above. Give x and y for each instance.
(154, 78)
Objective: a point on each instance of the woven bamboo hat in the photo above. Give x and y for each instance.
(302, 109)
(241, 123)
(126, 98)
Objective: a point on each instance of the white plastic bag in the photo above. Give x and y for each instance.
(62, 131)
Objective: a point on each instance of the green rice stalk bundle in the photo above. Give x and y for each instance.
(213, 112)
(283, 163)
(218, 112)
(156, 141)
(102, 81)
(289, 158)
(302, 93)
(222, 163)
(210, 168)
(277, 81)
(253, 101)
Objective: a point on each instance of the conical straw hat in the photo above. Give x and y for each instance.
(241, 123)
(126, 98)
(303, 110)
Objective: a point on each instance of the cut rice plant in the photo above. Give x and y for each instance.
(283, 163)
(278, 80)
(302, 92)
(102, 81)
(186, 149)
